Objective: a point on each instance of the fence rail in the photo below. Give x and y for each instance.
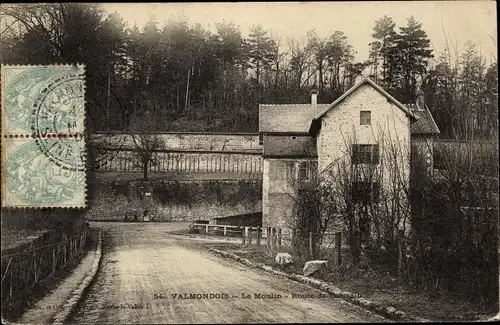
(22, 271)
(193, 162)
(276, 240)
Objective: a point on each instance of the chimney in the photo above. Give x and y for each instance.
(420, 102)
(314, 97)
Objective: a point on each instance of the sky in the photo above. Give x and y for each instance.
(454, 22)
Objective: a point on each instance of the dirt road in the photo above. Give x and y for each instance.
(148, 276)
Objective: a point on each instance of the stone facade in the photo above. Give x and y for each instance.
(337, 128)
(340, 127)
(278, 190)
(390, 129)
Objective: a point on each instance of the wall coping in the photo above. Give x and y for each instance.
(236, 152)
(182, 133)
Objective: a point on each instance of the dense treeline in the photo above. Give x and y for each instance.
(194, 79)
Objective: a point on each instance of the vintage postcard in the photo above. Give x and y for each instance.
(43, 148)
(307, 162)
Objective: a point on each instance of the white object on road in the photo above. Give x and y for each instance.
(283, 258)
(312, 266)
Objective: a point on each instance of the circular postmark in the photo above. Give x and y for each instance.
(58, 116)
(60, 107)
(65, 152)
(34, 179)
(22, 92)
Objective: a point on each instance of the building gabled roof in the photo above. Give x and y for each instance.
(356, 86)
(289, 146)
(287, 118)
(425, 123)
(302, 118)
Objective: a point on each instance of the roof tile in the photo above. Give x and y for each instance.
(425, 123)
(290, 118)
(289, 146)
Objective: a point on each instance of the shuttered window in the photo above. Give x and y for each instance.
(303, 171)
(365, 154)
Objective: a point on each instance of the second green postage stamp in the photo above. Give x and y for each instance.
(43, 145)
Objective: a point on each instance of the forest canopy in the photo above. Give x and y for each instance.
(199, 80)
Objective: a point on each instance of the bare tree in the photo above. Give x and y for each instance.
(369, 197)
(146, 141)
(314, 208)
(103, 147)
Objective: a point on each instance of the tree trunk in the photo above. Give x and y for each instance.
(258, 71)
(177, 108)
(145, 171)
(108, 93)
(320, 71)
(186, 102)
(355, 251)
(354, 241)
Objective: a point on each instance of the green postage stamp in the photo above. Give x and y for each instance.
(43, 144)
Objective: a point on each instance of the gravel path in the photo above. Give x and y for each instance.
(144, 271)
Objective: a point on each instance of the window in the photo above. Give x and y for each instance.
(303, 171)
(290, 171)
(365, 191)
(365, 154)
(365, 117)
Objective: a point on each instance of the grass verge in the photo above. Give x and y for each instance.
(378, 286)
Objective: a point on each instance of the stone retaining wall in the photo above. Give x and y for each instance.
(174, 200)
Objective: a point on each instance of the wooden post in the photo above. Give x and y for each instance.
(247, 235)
(294, 234)
(311, 244)
(53, 261)
(249, 232)
(243, 236)
(10, 290)
(34, 268)
(400, 255)
(258, 236)
(268, 237)
(39, 267)
(56, 255)
(279, 240)
(225, 230)
(273, 238)
(206, 230)
(65, 250)
(336, 250)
